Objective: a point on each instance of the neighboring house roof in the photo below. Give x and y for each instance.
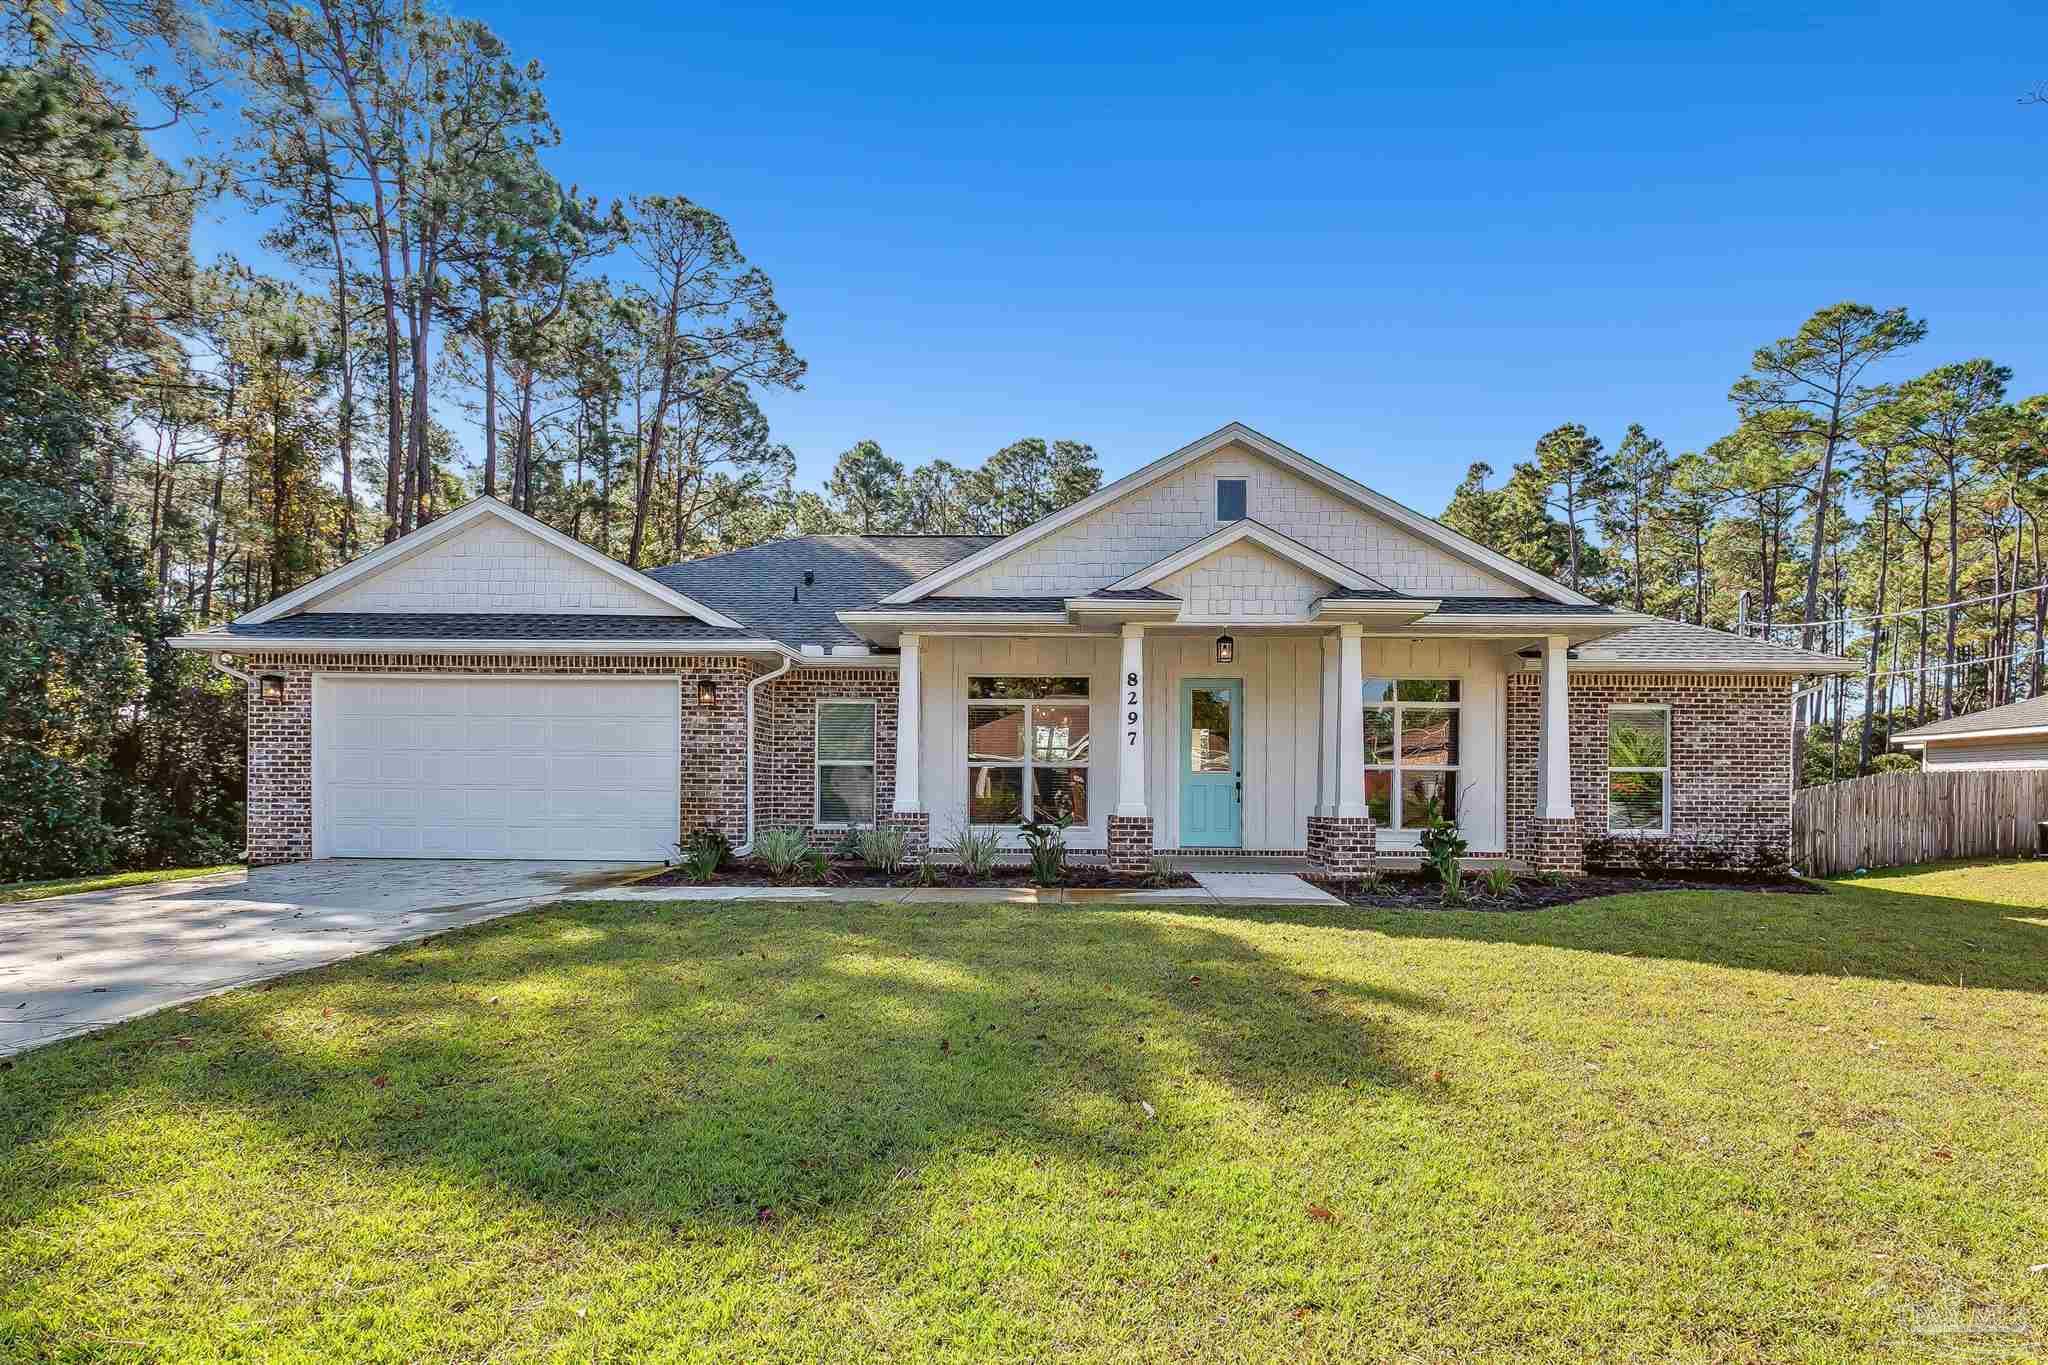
(1700, 649)
(2019, 718)
(385, 625)
(755, 585)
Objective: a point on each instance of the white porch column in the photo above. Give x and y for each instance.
(1329, 740)
(1557, 738)
(1351, 723)
(909, 709)
(1130, 753)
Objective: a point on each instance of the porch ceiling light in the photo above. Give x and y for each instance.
(1226, 649)
(272, 686)
(707, 692)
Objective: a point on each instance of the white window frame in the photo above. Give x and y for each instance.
(1029, 788)
(1397, 767)
(819, 764)
(1607, 788)
(1216, 496)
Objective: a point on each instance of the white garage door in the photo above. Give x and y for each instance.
(494, 768)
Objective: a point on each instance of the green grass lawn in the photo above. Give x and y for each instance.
(1710, 1127)
(10, 892)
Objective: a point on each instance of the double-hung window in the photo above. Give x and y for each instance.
(846, 763)
(1411, 751)
(1027, 750)
(1639, 769)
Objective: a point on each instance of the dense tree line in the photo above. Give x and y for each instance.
(1894, 520)
(437, 315)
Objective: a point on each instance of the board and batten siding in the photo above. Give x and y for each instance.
(1281, 674)
(1283, 707)
(1480, 668)
(2019, 751)
(947, 664)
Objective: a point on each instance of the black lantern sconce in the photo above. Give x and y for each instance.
(271, 686)
(1226, 649)
(707, 692)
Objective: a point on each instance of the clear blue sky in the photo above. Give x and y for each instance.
(1399, 242)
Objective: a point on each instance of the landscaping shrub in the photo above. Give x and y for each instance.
(976, 852)
(1047, 840)
(882, 848)
(781, 850)
(1500, 881)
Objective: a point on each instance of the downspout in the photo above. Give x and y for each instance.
(753, 687)
(220, 661)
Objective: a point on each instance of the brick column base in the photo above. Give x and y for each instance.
(1341, 847)
(917, 831)
(1130, 844)
(1556, 845)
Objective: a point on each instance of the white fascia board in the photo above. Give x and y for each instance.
(918, 619)
(405, 547)
(1414, 522)
(1909, 739)
(1285, 547)
(229, 644)
(1129, 607)
(1350, 609)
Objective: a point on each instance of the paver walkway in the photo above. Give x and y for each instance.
(71, 964)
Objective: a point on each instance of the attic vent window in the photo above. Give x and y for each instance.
(1230, 500)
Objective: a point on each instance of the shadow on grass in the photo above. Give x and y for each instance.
(664, 1065)
(1857, 929)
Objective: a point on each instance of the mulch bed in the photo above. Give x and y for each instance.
(1414, 891)
(749, 872)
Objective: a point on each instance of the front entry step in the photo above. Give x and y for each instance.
(1262, 886)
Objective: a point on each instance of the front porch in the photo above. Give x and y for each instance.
(1231, 745)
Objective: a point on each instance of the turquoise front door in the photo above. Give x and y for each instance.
(1211, 763)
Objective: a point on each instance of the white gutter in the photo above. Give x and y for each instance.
(753, 687)
(220, 661)
(245, 644)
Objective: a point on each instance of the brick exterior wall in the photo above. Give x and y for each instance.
(1342, 847)
(786, 744)
(1731, 768)
(1130, 843)
(712, 780)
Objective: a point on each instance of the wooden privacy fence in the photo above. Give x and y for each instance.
(1892, 819)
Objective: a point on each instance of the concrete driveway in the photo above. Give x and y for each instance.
(72, 964)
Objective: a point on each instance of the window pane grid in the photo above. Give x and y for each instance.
(1638, 769)
(1412, 750)
(844, 763)
(1028, 749)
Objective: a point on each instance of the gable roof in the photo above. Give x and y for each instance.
(1286, 547)
(440, 529)
(756, 585)
(1414, 522)
(2017, 718)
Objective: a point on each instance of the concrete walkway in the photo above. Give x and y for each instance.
(72, 964)
(1213, 888)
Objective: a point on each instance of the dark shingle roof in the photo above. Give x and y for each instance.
(755, 585)
(1129, 595)
(1517, 606)
(1342, 594)
(408, 625)
(2020, 715)
(1015, 604)
(1678, 644)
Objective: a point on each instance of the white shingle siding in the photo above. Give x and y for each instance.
(1152, 522)
(493, 567)
(1247, 581)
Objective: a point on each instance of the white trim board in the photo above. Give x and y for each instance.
(1293, 460)
(438, 530)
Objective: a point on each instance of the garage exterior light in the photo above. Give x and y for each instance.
(271, 686)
